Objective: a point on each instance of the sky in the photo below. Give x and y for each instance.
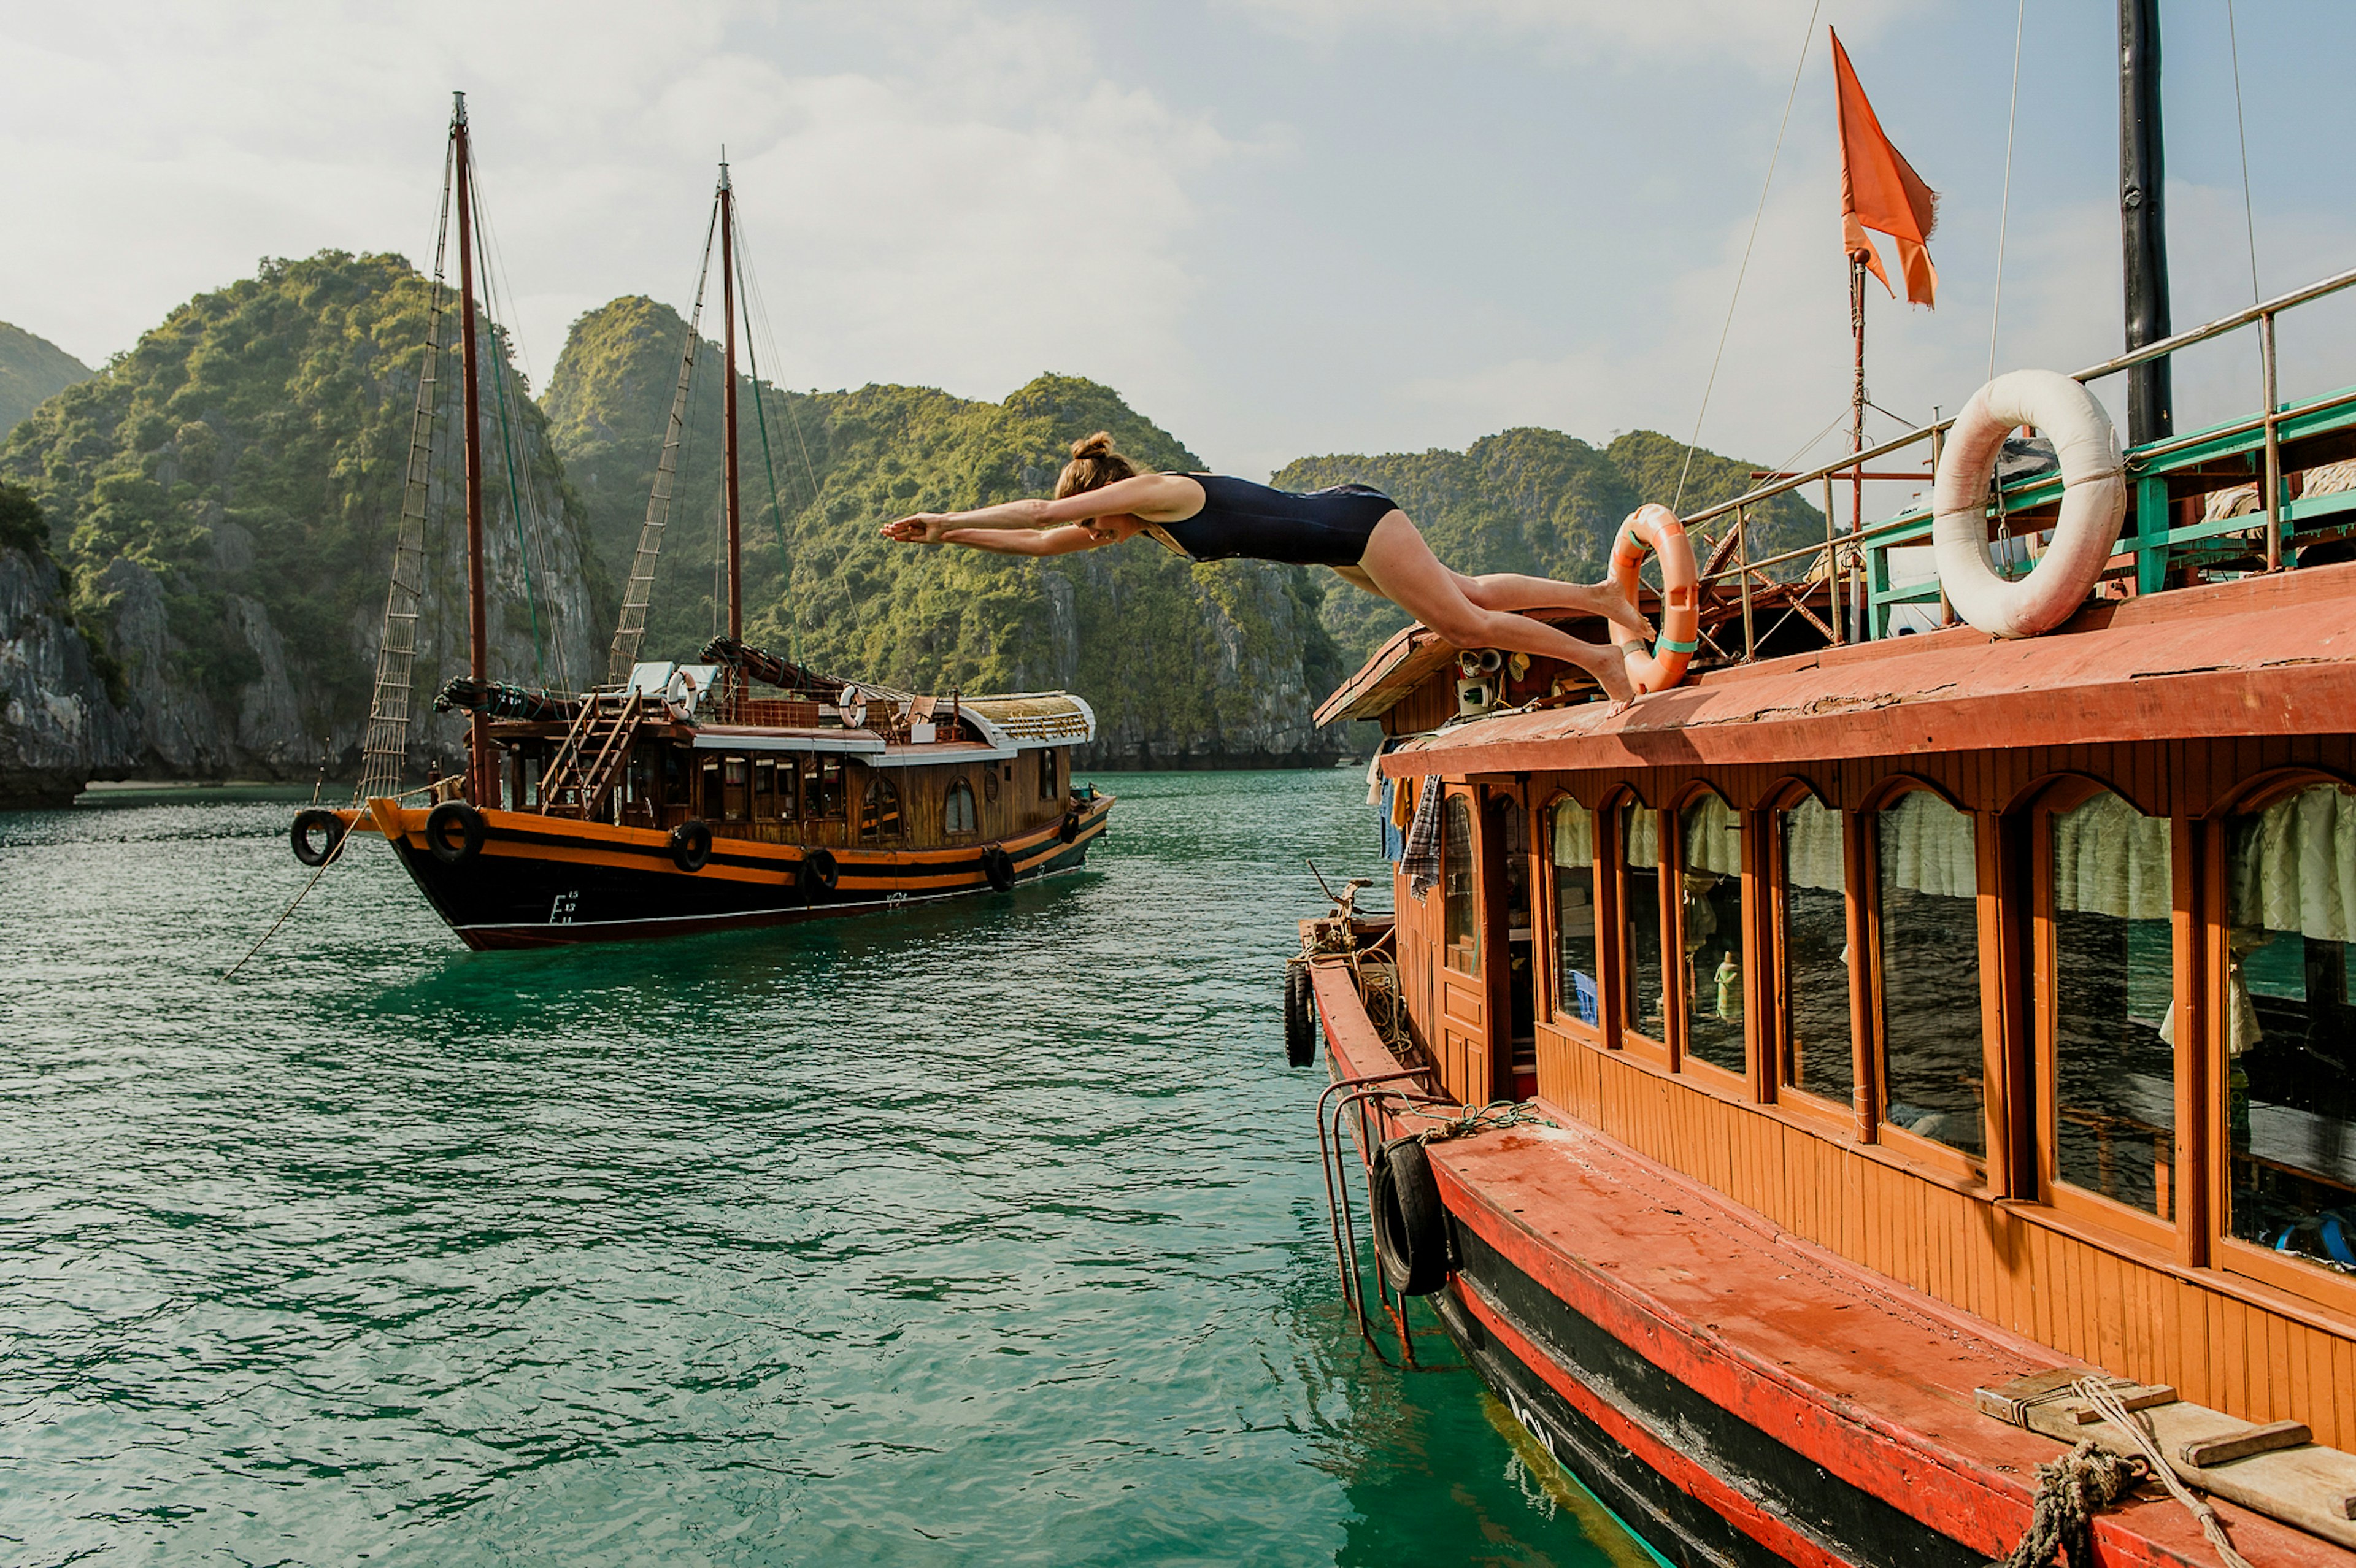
(1278, 226)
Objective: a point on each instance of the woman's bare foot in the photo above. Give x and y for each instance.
(1609, 665)
(1622, 613)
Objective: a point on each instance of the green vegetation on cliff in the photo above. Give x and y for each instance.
(32, 371)
(1533, 501)
(1181, 661)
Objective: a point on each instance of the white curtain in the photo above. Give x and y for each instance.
(1713, 837)
(1812, 846)
(2110, 858)
(1574, 833)
(2294, 865)
(1927, 845)
(1644, 836)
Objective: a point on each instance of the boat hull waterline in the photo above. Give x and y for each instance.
(541, 881)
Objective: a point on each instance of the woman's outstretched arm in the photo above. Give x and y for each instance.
(1026, 541)
(1156, 497)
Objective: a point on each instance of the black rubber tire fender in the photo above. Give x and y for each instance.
(1299, 1017)
(820, 873)
(313, 820)
(466, 820)
(690, 845)
(1410, 1223)
(1070, 830)
(999, 867)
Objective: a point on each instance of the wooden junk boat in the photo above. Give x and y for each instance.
(743, 790)
(1904, 1038)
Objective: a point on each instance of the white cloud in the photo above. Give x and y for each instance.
(1645, 30)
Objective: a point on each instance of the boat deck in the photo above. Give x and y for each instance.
(1850, 1372)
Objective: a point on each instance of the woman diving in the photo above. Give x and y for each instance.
(1101, 498)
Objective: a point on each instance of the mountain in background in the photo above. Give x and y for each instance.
(1535, 501)
(32, 371)
(223, 499)
(1186, 665)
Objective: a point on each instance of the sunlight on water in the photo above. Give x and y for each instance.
(988, 1234)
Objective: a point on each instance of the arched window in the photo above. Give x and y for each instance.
(2111, 964)
(1711, 923)
(879, 810)
(1813, 1051)
(958, 813)
(1644, 1002)
(1935, 1076)
(1572, 830)
(1460, 902)
(2290, 1031)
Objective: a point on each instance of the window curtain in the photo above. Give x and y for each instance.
(2110, 858)
(1713, 837)
(2294, 866)
(1574, 833)
(1926, 846)
(1812, 846)
(1644, 837)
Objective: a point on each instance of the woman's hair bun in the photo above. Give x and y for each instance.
(1096, 445)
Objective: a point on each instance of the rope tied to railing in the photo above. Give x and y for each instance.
(1466, 1120)
(2098, 1393)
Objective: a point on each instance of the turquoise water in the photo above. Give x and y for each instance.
(989, 1235)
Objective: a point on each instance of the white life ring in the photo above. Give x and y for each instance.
(2094, 503)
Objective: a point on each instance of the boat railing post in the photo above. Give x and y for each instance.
(2273, 443)
(1832, 563)
(1742, 564)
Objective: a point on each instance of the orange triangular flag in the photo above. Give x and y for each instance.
(1879, 190)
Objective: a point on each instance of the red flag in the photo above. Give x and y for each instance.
(1879, 190)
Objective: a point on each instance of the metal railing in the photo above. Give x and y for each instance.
(2271, 421)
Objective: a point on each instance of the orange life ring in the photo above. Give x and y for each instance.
(1656, 528)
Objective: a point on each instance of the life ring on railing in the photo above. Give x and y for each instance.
(470, 826)
(1656, 528)
(318, 820)
(2094, 503)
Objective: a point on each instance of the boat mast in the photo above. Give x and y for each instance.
(2143, 219)
(479, 741)
(728, 403)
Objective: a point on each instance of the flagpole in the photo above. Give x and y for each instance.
(1858, 619)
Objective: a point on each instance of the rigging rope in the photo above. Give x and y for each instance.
(1807, 39)
(2003, 213)
(515, 501)
(2249, 218)
(757, 303)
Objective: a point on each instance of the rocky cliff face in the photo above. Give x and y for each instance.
(224, 501)
(58, 725)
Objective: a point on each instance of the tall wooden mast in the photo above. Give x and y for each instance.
(728, 403)
(480, 775)
(2143, 219)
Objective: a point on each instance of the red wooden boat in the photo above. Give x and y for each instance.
(1894, 1045)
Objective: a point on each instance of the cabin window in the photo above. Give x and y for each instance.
(958, 813)
(1460, 900)
(822, 793)
(1711, 922)
(1813, 1054)
(676, 778)
(1645, 1003)
(789, 789)
(2290, 1032)
(879, 810)
(1047, 790)
(764, 789)
(736, 778)
(708, 788)
(1935, 1077)
(1573, 833)
(2112, 985)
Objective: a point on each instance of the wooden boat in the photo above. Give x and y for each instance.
(1904, 1038)
(746, 790)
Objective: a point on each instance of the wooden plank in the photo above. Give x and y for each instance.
(2204, 1452)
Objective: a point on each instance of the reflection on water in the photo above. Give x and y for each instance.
(962, 1235)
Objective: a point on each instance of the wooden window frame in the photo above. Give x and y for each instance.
(2146, 1232)
(1771, 994)
(1551, 975)
(2230, 1256)
(974, 809)
(1622, 970)
(1953, 1162)
(1453, 794)
(1678, 1000)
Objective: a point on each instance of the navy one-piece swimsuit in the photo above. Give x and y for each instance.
(1317, 527)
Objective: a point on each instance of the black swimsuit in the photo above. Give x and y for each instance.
(1319, 527)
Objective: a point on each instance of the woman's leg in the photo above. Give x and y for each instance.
(1516, 591)
(1404, 571)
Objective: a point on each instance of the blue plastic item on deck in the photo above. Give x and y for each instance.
(1583, 988)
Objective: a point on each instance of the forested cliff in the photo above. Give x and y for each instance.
(195, 582)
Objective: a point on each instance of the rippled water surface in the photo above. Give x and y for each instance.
(985, 1235)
